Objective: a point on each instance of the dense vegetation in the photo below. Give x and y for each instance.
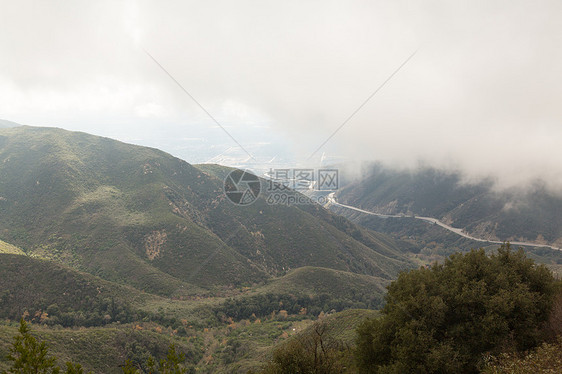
(445, 318)
(29, 356)
(498, 313)
(264, 305)
(49, 293)
(547, 358)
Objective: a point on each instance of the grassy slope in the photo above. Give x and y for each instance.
(342, 325)
(310, 235)
(97, 204)
(117, 343)
(140, 216)
(339, 327)
(236, 346)
(7, 248)
(315, 281)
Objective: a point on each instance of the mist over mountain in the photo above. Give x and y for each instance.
(481, 94)
(4, 123)
(530, 212)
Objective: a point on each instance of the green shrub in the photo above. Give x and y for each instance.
(444, 319)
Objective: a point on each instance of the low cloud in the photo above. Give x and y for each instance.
(482, 94)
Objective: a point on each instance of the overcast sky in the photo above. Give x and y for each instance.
(483, 92)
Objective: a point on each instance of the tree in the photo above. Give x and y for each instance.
(312, 352)
(73, 368)
(444, 319)
(172, 364)
(129, 368)
(28, 356)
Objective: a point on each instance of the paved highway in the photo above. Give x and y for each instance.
(332, 200)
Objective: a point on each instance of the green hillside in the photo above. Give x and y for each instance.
(52, 294)
(342, 325)
(338, 284)
(106, 244)
(123, 323)
(103, 207)
(325, 346)
(139, 216)
(102, 349)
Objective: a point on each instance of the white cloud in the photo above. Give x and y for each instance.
(482, 93)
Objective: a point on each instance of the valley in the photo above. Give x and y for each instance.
(118, 240)
(124, 247)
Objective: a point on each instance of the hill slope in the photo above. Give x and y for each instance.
(129, 324)
(4, 123)
(118, 342)
(339, 285)
(139, 216)
(53, 294)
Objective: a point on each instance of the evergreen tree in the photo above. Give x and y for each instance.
(170, 365)
(28, 356)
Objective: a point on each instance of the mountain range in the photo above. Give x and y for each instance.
(141, 217)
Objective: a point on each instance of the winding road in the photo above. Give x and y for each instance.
(458, 231)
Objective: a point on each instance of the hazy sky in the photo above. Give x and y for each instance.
(483, 93)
